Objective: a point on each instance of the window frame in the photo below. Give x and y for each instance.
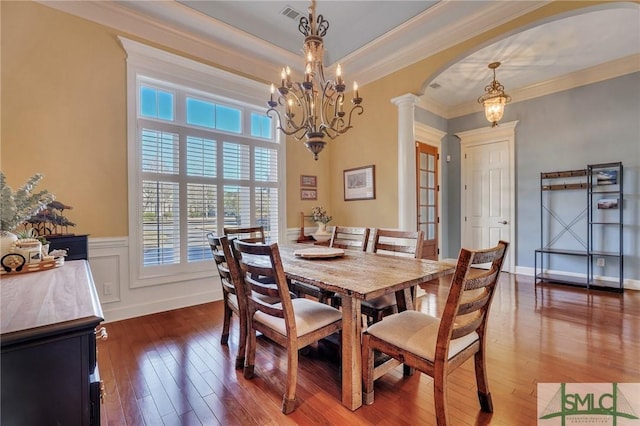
(173, 72)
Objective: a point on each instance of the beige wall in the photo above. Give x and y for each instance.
(64, 115)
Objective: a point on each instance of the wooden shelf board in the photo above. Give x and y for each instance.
(562, 279)
(563, 174)
(606, 253)
(562, 251)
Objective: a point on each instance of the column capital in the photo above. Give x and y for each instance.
(405, 99)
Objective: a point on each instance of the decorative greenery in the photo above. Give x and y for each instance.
(17, 207)
(31, 233)
(319, 214)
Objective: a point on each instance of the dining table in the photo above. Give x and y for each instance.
(356, 276)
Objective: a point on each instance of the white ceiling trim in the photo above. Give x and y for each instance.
(606, 71)
(166, 22)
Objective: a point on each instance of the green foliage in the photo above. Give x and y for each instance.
(16, 208)
(319, 214)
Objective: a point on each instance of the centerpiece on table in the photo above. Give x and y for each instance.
(17, 207)
(321, 218)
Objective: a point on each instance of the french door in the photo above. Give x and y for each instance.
(427, 196)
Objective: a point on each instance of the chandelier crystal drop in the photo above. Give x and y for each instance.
(494, 98)
(314, 108)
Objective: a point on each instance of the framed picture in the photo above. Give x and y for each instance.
(607, 177)
(360, 183)
(608, 203)
(308, 194)
(308, 181)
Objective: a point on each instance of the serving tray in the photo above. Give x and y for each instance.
(14, 263)
(319, 252)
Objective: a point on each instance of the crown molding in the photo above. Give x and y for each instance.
(392, 51)
(169, 23)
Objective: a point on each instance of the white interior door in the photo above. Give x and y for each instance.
(488, 190)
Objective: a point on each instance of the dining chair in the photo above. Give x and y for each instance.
(250, 234)
(390, 241)
(345, 237)
(292, 323)
(233, 297)
(437, 346)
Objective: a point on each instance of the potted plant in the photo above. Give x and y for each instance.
(321, 218)
(19, 206)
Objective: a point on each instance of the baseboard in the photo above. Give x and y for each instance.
(627, 284)
(154, 306)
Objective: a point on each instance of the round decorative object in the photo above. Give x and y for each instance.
(13, 262)
(321, 234)
(6, 241)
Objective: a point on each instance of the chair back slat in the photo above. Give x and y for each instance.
(251, 234)
(474, 305)
(467, 328)
(470, 295)
(481, 279)
(393, 242)
(351, 238)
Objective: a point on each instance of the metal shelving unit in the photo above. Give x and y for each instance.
(598, 242)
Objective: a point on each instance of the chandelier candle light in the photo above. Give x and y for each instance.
(494, 99)
(315, 107)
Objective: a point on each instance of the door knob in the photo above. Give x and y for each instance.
(504, 222)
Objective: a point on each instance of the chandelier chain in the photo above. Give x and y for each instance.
(317, 102)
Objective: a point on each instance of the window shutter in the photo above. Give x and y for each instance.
(161, 223)
(201, 205)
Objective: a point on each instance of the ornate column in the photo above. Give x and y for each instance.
(407, 218)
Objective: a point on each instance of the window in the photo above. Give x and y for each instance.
(202, 155)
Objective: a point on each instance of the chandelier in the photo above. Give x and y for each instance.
(494, 99)
(314, 108)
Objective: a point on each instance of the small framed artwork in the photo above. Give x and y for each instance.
(360, 183)
(308, 181)
(607, 177)
(608, 203)
(308, 194)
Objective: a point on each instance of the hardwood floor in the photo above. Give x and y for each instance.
(169, 368)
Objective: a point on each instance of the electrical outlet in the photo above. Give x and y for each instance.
(107, 289)
(600, 261)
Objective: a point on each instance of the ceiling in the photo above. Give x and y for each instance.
(373, 38)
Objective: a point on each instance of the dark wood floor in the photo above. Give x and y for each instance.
(170, 368)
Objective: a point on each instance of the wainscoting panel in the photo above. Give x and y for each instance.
(108, 258)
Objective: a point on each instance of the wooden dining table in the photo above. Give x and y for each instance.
(357, 276)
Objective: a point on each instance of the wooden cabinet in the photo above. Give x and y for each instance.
(48, 347)
(75, 245)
